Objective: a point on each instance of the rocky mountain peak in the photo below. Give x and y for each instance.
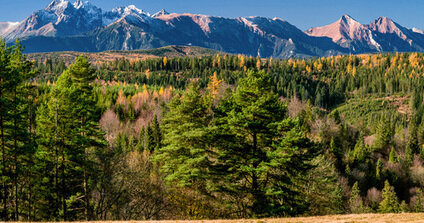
(160, 13)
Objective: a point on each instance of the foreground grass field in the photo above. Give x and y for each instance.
(374, 218)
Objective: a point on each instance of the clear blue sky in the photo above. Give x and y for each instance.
(301, 13)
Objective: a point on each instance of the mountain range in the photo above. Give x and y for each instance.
(83, 27)
(382, 35)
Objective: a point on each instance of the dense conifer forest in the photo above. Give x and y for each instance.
(224, 136)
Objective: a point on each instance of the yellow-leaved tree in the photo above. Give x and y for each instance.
(214, 85)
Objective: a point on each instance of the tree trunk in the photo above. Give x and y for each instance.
(63, 187)
(56, 165)
(3, 147)
(86, 194)
(15, 157)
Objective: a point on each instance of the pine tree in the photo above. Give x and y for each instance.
(392, 156)
(322, 188)
(184, 154)
(384, 133)
(19, 135)
(157, 133)
(141, 139)
(70, 136)
(412, 143)
(334, 149)
(409, 156)
(5, 77)
(150, 140)
(355, 201)
(360, 151)
(255, 140)
(15, 70)
(418, 206)
(379, 169)
(404, 207)
(390, 202)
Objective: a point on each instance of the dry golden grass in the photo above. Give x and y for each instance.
(373, 218)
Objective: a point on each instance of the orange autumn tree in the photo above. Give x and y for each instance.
(214, 85)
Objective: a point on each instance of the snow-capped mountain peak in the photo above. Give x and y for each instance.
(130, 12)
(78, 4)
(131, 9)
(57, 6)
(160, 13)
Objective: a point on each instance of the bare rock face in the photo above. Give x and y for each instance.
(382, 35)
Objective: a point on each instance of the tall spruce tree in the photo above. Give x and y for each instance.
(184, 156)
(69, 138)
(19, 134)
(356, 204)
(261, 153)
(15, 70)
(157, 133)
(418, 206)
(390, 202)
(5, 79)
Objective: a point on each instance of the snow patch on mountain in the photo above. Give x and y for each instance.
(57, 5)
(416, 30)
(160, 13)
(131, 9)
(373, 42)
(5, 27)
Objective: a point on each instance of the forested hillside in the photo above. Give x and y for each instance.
(168, 51)
(224, 136)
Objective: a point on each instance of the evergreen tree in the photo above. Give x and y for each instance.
(412, 144)
(409, 156)
(360, 151)
(355, 201)
(70, 137)
(418, 206)
(392, 156)
(156, 132)
(379, 169)
(262, 151)
(322, 188)
(384, 133)
(404, 207)
(141, 139)
(15, 144)
(5, 84)
(390, 202)
(185, 152)
(150, 139)
(19, 135)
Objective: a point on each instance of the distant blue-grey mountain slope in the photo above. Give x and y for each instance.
(80, 26)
